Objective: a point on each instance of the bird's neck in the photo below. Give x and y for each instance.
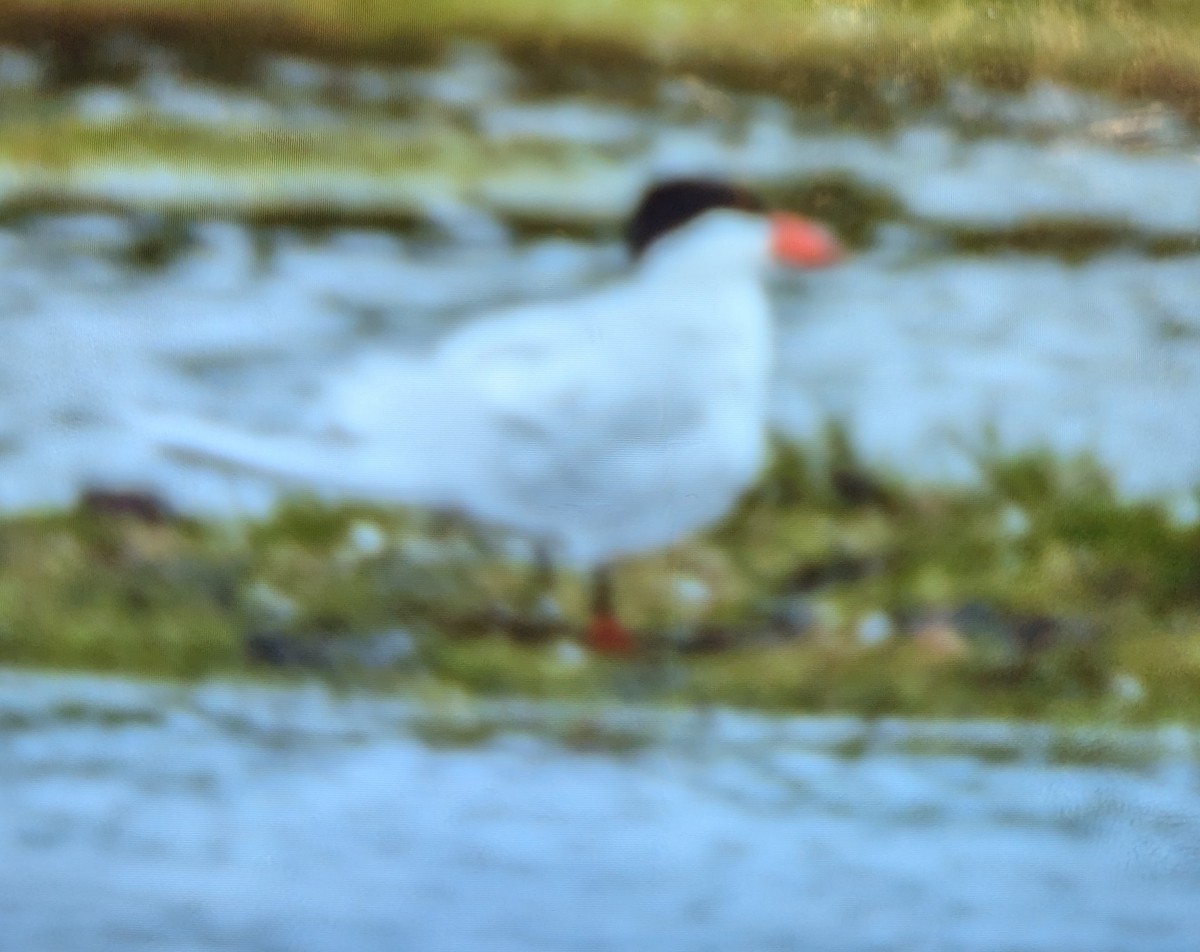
(718, 328)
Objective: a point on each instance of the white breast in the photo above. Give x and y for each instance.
(621, 427)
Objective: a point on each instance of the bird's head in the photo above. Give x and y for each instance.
(725, 226)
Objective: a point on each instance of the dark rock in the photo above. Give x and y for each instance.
(708, 639)
(859, 489)
(792, 617)
(138, 504)
(1015, 634)
(277, 650)
(532, 628)
(385, 650)
(840, 569)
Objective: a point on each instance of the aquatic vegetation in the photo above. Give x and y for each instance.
(313, 143)
(1036, 593)
(171, 166)
(823, 52)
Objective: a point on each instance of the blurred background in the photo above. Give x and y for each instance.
(935, 683)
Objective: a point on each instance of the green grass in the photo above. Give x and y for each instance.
(818, 50)
(1037, 594)
(839, 58)
(356, 174)
(360, 177)
(69, 163)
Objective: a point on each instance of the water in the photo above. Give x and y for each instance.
(224, 818)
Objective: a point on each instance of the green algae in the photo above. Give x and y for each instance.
(832, 53)
(165, 175)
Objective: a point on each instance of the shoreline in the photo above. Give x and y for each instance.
(821, 53)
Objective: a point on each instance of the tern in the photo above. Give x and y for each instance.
(610, 424)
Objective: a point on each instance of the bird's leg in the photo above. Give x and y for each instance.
(537, 612)
(538, 587)
(544, 576)
(605, 634)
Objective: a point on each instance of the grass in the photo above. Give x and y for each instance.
(817, 50)
(358, 174)
(361, 176)
(1074, 241)
(383, 171)
(69, 164)
(1037, 594)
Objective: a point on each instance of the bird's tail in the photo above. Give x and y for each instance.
(325, 463)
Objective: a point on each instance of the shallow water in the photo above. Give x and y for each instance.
(1090, 342)
(232, 818)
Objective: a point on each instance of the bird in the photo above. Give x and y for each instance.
(602, 426)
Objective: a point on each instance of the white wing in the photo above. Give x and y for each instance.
(578, 409)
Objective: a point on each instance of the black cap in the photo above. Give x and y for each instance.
(670, 204)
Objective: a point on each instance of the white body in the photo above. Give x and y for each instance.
(615, 423)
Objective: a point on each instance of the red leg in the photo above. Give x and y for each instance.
(606, 635)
